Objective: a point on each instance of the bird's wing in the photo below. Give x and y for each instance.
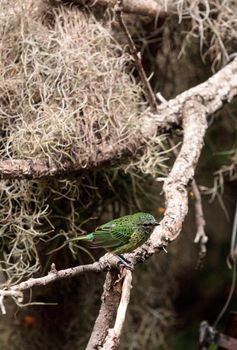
(108, 236)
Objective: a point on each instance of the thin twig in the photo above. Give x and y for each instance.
(201, 238)
(151, 98)
(18, 295)
(107, 262)
(233, 245)
(2, 306)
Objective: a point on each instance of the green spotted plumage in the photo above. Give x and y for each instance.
(122, 235)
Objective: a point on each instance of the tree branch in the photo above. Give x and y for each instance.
(107, 262)
(217, 90)
(175, 191)
(109, 303)
(201, 237)
(113, 338)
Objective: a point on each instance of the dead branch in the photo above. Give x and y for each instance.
(217, 90)
(113, 338)
(201, 236)
(2, 306)
(109, 303)
(39, 168)
(107, 262)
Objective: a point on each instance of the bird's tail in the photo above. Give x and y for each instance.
(88, 237)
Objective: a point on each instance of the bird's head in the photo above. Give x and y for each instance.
(146, 221)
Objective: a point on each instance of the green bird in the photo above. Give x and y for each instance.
(122, 235)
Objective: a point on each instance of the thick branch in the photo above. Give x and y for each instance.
(176, 195)
(217, 90)
(113, 338)
(39, 168)
(109, 303)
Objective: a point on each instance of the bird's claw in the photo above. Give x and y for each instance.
(124, 263)
(125, 266)
(122, 271)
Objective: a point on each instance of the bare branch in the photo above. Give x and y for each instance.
(39, 168)
(113, 338)
(201, 236)
(107, 262)
(2, 306)
(109, 303)
(176, 196)
(217, 90)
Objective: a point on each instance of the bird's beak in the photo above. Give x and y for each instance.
(156, 223)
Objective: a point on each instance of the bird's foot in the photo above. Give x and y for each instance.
(124, 263)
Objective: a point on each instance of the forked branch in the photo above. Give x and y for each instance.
(112, 291)
(113, 338)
